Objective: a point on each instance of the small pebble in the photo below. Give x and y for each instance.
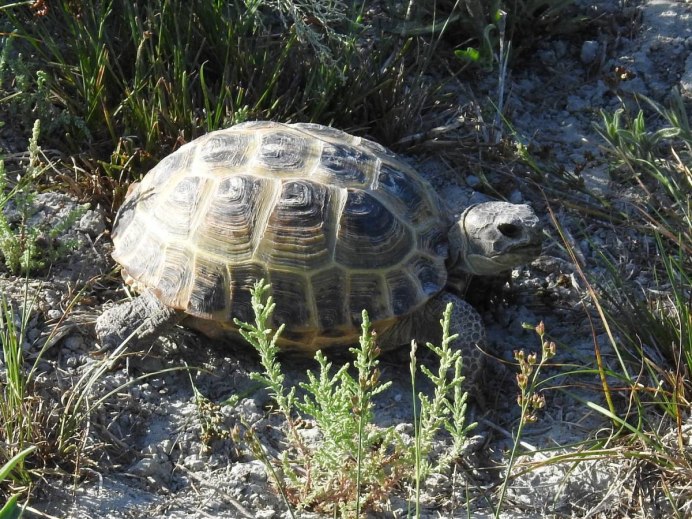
(547, 56)
(194, 462)
(73, 343)
(157, 383)
(248, 410)
(404, 428)
(92, 223)
(589, 49)
(145, 467)
(472, 181)
(516, 197)
(576, 103)
(53, 314)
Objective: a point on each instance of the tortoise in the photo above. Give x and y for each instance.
(335, 223)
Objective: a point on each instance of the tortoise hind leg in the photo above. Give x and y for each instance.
(144, 318)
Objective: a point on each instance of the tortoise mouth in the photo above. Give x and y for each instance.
(524, 252)
(530, 249)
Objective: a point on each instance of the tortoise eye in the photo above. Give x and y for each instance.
(509, 230)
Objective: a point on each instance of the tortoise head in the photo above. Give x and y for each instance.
(493, 237)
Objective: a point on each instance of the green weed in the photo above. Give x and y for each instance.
(658, 163)
(354, 466)
(530, 400)
(445, 410)
(481, 27)
(25, 93)
(490, 41)
(24, 246)
(210, 417)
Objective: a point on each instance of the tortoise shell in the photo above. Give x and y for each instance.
(335, 223)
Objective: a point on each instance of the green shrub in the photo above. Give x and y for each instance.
(355, 465)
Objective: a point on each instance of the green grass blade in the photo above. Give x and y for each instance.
(7, 468)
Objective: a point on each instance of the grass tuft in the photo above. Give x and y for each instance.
(167, 72)
(17, 407)
(641, 290)
(10, 509)
(655, 317)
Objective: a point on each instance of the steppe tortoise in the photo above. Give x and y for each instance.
(335, 223)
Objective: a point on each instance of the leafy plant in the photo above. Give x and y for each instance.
(491, 40)
(530, 400)
(481, 28)
(25, 246)
(355, 465)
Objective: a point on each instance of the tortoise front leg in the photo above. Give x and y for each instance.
(144, 316)
(424, 326)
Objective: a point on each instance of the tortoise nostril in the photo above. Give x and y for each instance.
(509, 230)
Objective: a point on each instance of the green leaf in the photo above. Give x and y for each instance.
(10, 510)
(7, 467)
(470, 54)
